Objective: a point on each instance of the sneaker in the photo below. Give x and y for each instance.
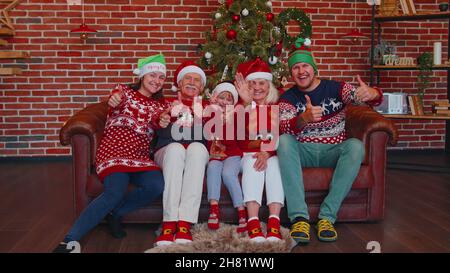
(254, 231)
(62, 248)
(183, 234)
(273, 229)
(115, 227)
(242, 227)
(213, 220)
(300, 230)
(167, 234)
(326, 231)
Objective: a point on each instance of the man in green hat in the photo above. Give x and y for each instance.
(312, 128)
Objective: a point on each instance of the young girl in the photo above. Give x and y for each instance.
(225, 161)
(123, 154)
(259, 163)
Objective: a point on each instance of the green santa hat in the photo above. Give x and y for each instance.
(154, 63)
(302, 53)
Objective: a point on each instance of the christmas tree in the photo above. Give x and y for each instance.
(246, 29)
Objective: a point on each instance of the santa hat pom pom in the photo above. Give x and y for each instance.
(174, 88)
(307, 42)
(137, 71)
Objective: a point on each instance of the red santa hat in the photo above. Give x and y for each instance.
(255, 69)
(185, 68)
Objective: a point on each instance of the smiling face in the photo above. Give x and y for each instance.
(304, 76)
(225, 98)
(191, 85)
(259, 89)
(151, 83)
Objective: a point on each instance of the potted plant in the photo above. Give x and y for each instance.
(425, 64)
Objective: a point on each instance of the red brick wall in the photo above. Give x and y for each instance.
(64, 75)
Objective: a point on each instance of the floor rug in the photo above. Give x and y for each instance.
(226, 240)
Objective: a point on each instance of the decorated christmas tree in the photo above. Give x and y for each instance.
(245, 29)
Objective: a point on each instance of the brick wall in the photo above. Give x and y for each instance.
(64, 74)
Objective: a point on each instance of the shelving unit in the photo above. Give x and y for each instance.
(375, 69)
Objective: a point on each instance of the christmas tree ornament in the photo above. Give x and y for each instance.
(218, 16)
(208, 55)
(269, 4)
(228, 3)
(235, 18)
(231, 34)
(245, 12)
(270, 16)
(273, 60)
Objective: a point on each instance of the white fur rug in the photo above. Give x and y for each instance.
(226, 240)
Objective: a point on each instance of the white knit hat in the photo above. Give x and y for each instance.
(226, 86)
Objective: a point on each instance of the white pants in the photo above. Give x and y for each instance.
(253, 181)
(183, 171)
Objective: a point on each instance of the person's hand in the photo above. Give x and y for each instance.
(164, 118)
(242, 87)
(312, 113)
(115, 99)
(261, 161)
(365, 93)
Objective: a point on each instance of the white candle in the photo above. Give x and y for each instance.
(437, 56)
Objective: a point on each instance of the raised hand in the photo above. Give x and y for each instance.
(312, 113)
(164, 118)
(242, 87)
(115, 99)
(364, 92)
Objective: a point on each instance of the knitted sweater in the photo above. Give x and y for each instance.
(125, 144)
(332, 96)
(263, 126)
(195, 134)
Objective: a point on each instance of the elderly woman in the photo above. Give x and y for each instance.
(259, 163)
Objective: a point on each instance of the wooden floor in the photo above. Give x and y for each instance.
(36, 212)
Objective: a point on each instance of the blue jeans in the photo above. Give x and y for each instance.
(149, 185)
(345, 158)
(227, 169)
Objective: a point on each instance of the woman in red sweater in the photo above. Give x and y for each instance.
(259, 162)
(123, 156)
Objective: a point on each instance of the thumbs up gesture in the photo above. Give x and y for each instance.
(164, 118)
(312, 113)
(365, 93)
(116, 98)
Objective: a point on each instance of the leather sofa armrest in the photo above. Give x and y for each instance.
(362, 121)
(90, 122)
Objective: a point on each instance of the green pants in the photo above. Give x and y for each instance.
(345, 158)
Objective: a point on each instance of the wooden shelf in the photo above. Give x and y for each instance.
(4, 31)
(411, 17)
(431, 116)
(10, 71)
(409, 67)
(3, 42)
(14, 54)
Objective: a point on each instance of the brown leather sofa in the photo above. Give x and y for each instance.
(365, 202)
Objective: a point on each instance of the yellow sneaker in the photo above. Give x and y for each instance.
(326, 231)
(300, 231)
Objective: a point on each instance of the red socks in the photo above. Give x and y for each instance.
(254, 230)
(183, 234)
(213, 220)
(273, 229)
(167, 234)
(242, 221)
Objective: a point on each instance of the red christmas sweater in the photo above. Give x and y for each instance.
(260, 127)
(125, 145)
(229, 141)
